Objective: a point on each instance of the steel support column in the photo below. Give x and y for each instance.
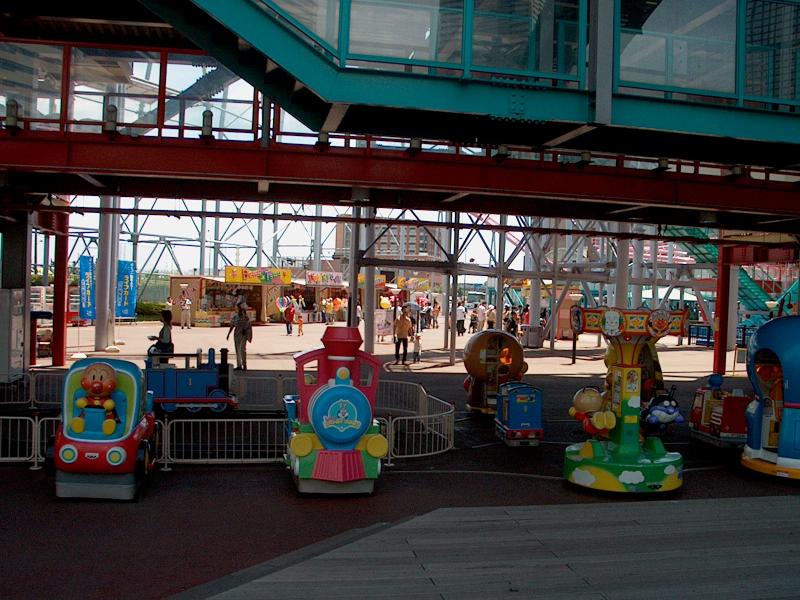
(623, 252)
(102, 275)
(60, 292)
(369, 283)
(722, 309)
(355, 256)
(202, 263)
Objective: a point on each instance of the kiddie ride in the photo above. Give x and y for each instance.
(334, 443)
(519, 414)
(204, 385)
(492, 358)
(617, 459)
(105, 444)
(718, 416)
(773, 417)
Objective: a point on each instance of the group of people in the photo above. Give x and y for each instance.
(485, 317)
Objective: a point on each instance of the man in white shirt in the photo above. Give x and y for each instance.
(460, 315)
(186, 312)
(481, 310)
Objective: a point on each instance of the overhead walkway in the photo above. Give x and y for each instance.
(752, 296)
(517, 73)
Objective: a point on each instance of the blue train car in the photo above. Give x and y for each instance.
(519, 414)
(193, 387)
(773, 417)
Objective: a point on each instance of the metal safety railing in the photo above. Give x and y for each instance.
(17, 439)
(224, 441)
(14, 390)
(424, 434)
(414, 423)
(47, 388)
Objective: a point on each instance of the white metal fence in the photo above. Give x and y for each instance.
(215, 441)
(47, 389)
(414, 423)
(17, 439)
(16, 392)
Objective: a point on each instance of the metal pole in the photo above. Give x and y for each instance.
(260, 235)
(636, 271)
(553, 305)
(202, 264)
(623, 253)
(275, 248)
(60, 291)
(369, 286)
(451, 318)
(216, 241)
(654, 253)
(46, 261)
(102, 275)
(112, 273)
(355, 252)
(501, 268)
(316, 259)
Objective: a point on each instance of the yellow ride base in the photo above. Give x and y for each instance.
(768, 468)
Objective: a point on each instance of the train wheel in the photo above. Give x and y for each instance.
(218, 407)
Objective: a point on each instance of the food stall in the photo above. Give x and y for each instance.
(214, 299)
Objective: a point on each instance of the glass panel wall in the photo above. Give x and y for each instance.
(31, 75)
(127, 79)
(318, 17)
(683, 44)
(421, 30)
(772, 65)
(520, 35)
(196, 83)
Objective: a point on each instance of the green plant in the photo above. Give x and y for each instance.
(149, 309)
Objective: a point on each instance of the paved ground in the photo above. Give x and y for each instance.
(596, 552)
(194, 525)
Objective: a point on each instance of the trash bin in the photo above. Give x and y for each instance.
(533, 337)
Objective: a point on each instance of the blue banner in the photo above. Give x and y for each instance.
(126, 289)
(86, 264)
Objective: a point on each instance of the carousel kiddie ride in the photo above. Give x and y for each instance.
(617, 459)
(105, 444)
(334, 443)
(491, 357)
(718, 416)
(773, 416)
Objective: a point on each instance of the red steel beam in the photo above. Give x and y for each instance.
(237, 161)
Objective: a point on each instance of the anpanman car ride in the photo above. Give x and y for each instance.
(105, 444)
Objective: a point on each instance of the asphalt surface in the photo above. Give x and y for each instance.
(195, 524)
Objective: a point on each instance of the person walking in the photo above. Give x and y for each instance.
(437, 308)
(491, 317)
(186, 311)
(242, 334)
(288, 316)
(299, 325)
(403, 328)
(461, 314)
(481, 311)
